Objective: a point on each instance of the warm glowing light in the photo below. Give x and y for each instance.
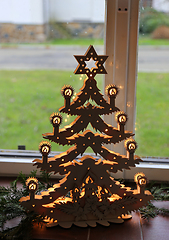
(32, 186)
(45, 149)
(68, 92)
(132, 146)
(142, 181)
(56, 120)
(122, 119)
(112, 91)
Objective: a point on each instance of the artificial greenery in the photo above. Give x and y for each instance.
(11, 209)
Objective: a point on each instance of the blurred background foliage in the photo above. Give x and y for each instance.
(151, 19)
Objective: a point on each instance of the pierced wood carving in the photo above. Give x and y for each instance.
(87, 194)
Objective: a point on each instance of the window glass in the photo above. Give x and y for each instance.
(38, 40)
(152, 129)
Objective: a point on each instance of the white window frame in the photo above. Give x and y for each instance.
(121, 43)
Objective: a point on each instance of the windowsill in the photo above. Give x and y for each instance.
(14, 161)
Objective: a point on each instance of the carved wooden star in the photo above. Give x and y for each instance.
(90, 55)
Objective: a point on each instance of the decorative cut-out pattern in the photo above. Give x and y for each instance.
(87, 194)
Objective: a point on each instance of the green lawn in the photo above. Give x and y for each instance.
(77, 41)
(27, 98)
(152, 127)
(143, 40)
(147, 40)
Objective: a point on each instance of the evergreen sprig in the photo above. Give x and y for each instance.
(10, 207)
(160, 192)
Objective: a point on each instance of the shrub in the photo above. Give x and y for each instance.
(150, 19)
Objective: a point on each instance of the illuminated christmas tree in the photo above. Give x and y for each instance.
(87, 194)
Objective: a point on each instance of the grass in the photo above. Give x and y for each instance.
(27, 98)
(143, 41)
(152, 128)
(77, 41)
(147, 40)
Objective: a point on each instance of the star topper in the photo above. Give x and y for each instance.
(90, 54)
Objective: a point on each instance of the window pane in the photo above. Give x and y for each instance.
(152, 130)
(38, 41)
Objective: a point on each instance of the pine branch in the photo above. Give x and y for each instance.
(10, 207)
(160, 193)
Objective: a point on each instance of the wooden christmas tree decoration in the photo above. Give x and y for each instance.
(87, 194)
